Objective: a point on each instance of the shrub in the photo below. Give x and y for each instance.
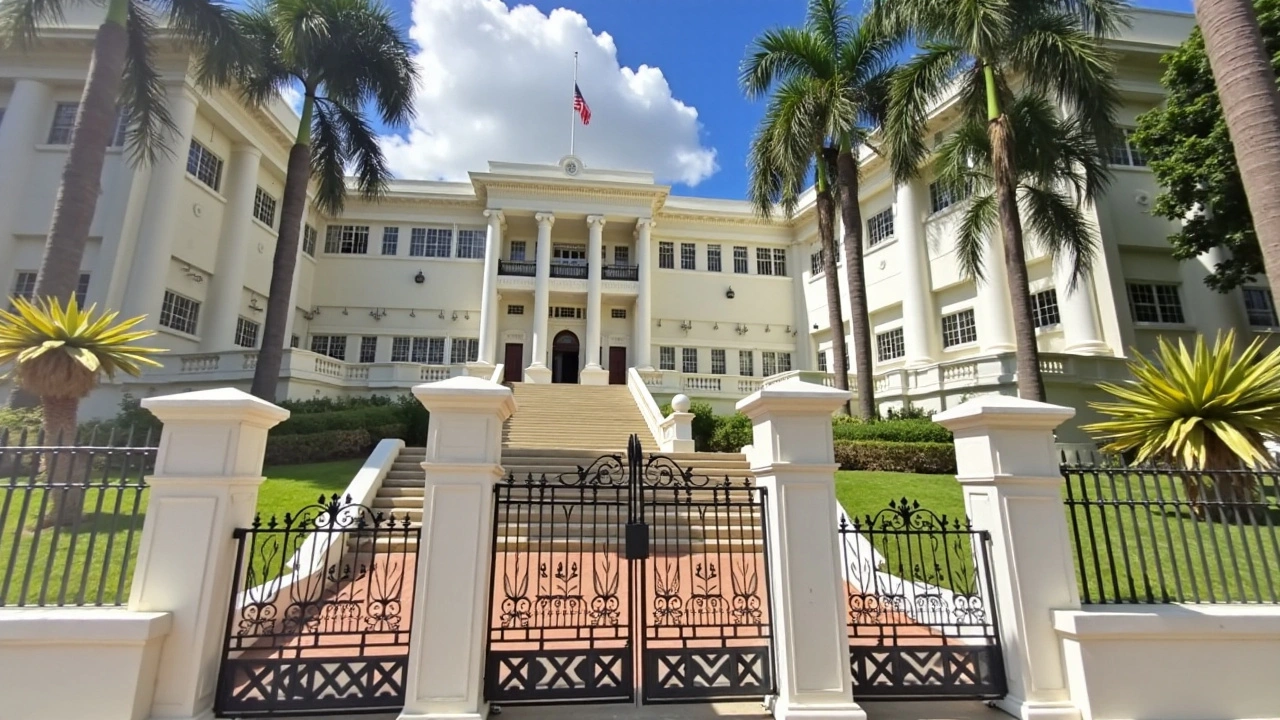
(352, 419)
(329, 404)
(913, 457)
(18, 420)
(731, 434)
(132, 424)
(318, 447)
(415, 419)
(910, 412)
(900, 431)
(704, 423)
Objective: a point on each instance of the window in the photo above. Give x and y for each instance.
(390, 240)
(890, 345)
(464, 350)
(1044, 309)
(879, 227)
(515, 309)
(563, 312)
(688, 256)
(771, 261)
(24, 286)
(418, 350)
(335, 346)
(264, 207)
(309, 237)
(82, 288)
(958, 329)
(64, 125)
(666, 255)
(347, 239)
(246, 333)
(571, 254)
(713, 258)
(775, 362)
(1261, 307)
(746, 365)
(740, 260)
(435, 349)
(430, 242)
(204, 166)
(517, 250)
(666, 358)
(1124, 151)
(368, 348)
(471, 244)
(943, 196)
(689, 360)
(400, 349)
(717, 362)
(618, 313)
(822, 361)
(815, 263)
(621, 255)
(179, 313)
(293, 340)
(1155, 303)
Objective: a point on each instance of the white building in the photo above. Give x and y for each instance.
(569, 272)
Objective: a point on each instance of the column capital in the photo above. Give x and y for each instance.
(645, 222)
(595, 220)
(246, 149)
(545, 219)
(496, 216)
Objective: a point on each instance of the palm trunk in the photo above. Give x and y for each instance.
(280, 301)
(82, 175)
(1250, 103)
(67, 502)
(859, 313)
(827, 238)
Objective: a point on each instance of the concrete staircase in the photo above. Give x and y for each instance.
(562, 416)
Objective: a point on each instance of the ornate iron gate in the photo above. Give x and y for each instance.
(320, 611)
(921, 614)
(630, 563)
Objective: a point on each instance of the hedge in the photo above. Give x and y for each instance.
(897, 431)
(355, 419)
(319, 447)
(912, 457)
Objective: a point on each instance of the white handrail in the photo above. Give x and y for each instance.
(648, 406)
(498, 371)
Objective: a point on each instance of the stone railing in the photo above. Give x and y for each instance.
(236, 367)
(519, 268)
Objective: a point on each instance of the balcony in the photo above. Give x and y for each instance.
(237, 366)
(518, 268)
(568, 270)
(574, 271)
(621, 272)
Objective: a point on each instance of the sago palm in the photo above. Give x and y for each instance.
(346, 57)
(58, 353)
(978, 52)
(828, 80)
(1208, 410)
(123, 78)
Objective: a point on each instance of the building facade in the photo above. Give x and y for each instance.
(566, 272)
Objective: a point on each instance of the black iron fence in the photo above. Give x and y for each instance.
(1155, 534)
(71, 516)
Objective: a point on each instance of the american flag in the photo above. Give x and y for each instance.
(580, 106)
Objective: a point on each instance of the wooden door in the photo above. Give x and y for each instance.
(513, 370)
(617, 366)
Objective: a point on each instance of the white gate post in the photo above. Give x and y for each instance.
(205, 485)
(1006, 463)
(451, 593)
(794, 460)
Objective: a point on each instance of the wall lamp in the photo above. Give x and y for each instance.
(729, 293)
(419, 278)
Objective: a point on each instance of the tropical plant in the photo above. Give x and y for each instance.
(1185, 142)
(58, 353)
(1205, 410)
(979, 52)
(1251, 104)
(829, 80)
(123, 79)
(344, 56)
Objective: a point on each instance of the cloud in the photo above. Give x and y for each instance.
(497, 84)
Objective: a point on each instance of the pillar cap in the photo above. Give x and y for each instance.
(216, 404)
(1004, 411)
(793, 395)
(466, 393)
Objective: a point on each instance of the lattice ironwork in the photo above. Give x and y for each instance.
(319, 619)
(630, 548)
(921, 614)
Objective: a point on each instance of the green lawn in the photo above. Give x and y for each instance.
(106, 542)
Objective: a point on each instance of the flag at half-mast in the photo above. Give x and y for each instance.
(580, 106)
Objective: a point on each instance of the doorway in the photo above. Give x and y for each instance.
(564, 358)
(513, 363)
(617, 365)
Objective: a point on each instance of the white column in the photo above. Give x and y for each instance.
(1008, 468)
(592, 373)
(451, 592)
(488, 349)
(1079, 324)
(292, 317)
(151, 256)
(994, 315)
(20, 132)
(644, 299)
(205, 485)
(1210, 311)
(793, 458)
(538, 372)
(227, 285)
(918, 320)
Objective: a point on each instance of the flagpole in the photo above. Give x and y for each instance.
(572, 106)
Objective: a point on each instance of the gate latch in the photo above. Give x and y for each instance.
(637, 541)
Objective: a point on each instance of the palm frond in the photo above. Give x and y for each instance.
(143, 97)
(209, 28)
(1059, 225)
(21, 20)
(913, 91)
(782, 54)
(328, 158)
(264, 72)
(977, 224)
(363, 152)
(1060, 60)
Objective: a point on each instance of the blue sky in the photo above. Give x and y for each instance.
(696, 45)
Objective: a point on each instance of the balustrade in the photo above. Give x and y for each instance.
(701, 383)
(434, 374)
(569, 270)
(621, 272)
(519, 268)
(198, 363)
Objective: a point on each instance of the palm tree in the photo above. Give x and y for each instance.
(829, 79)
(58, 353)
(1251, 105)
(123, 78)
(978, 52)
(344, 55)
